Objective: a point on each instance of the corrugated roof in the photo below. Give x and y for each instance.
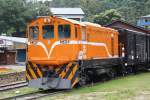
(129, 24)
(5, 43)
(147, 16)
(14, 39)
(67, 11)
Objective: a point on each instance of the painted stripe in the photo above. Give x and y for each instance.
(57, 69)
(32, 72)
(29, 73)
(38, 71)
(34, 68)
(61, 69)
(91, 43)
(115, 56)
(48, 52)
(27, 76)
(73, 72)
(68, 73)
(75, 76)
(43, 46)
(39, 68)
(66, 70)
(76, 81)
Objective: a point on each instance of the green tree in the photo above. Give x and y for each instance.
(65, 3)
(147, 8)
(107, 17)
(14, 14)
(90, 8)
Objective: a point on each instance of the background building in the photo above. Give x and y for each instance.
(12, 50)
(71, 13)
(144, 22)
(7, 54)
(119, 24)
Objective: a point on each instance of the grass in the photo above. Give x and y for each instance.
(131, 87)
(23, 90)
(5, 71)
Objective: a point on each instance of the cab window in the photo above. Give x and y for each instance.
(48, 31)
(64, 31)
(76, 32)
(34, 32)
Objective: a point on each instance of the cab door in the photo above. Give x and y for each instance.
(33, 36)
(83, 44)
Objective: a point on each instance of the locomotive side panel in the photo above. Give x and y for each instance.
(103, 43)
(116, 44)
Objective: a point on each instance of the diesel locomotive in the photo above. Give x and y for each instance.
(63, 53)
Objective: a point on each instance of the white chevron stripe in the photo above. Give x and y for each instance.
(48, 53)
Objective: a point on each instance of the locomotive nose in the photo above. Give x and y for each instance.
(47, 77)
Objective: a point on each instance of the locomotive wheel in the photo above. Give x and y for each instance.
(112, 73)
(83, 80)
(104, 77)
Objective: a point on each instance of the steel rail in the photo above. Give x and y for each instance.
(13, 86)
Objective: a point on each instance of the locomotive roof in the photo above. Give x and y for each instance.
(78, 22)
(74, 21)
(86, 23)
(132, 31)
(92, 24)
(81, 23)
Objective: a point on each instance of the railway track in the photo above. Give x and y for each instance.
(13, 86)
(34, 95)
(44, 93)
(40, 94)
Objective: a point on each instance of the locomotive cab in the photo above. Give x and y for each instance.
(48, 39)
(52, 46)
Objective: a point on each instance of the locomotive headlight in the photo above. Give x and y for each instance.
(112, 35)
(47, 20)
(126, 64)
(132, 57)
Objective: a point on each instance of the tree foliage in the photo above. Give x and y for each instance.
(107, 17)
(14, 14)
(130, 10)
